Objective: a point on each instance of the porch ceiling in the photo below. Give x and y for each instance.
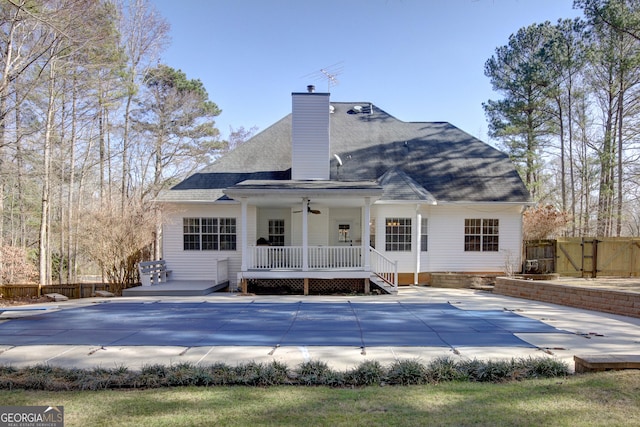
(291, 193)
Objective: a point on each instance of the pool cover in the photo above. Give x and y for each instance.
(272, 324)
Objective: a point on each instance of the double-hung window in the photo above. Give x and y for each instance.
(398, 234)
(276, 232)
(481, 235)
(209, 234)
(424, 234)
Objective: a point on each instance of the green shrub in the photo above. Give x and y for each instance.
(469, 370)
(546, 367)
(313, 372)
(260, 374)
(182, 374)
(152, 376)
(401, 372)
(407, 372)
(222, 374)
(443, 369)
(367, 373)
(498, 371)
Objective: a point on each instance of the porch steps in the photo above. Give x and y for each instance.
(378, 282)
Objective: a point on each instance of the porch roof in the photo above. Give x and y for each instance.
(304, 189)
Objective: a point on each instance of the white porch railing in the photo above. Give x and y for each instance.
(275, 257)
(319, 257)
(384, 268)
(335, 257)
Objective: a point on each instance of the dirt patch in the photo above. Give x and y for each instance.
(22, 301)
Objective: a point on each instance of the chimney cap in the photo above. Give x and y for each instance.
(311, 88)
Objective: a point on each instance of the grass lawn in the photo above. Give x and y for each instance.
(610, 398)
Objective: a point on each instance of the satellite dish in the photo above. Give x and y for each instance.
(338, 159)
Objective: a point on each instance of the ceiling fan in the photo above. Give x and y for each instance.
(313, 211)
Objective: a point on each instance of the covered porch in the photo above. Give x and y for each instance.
(308, 232)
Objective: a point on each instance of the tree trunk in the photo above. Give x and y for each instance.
(45, 265)
(72, 177)
(619, 195)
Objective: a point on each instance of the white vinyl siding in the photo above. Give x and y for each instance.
(406, 260)
(265, 215)
(310, 136)
(445, 234)
(201, 264)
(447, 237)
(318, 232)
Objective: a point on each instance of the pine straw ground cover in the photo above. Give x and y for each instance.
(602, 399)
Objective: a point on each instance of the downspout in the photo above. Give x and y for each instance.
(418, 236)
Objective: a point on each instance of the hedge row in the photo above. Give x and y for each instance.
(311, 373)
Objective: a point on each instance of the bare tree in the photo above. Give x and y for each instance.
(144, 34)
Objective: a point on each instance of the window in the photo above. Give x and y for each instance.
(276, 232)
(209, 234)
(191, 233)
(344, 233)
(227, 234)
(209, 231)
(398, 234)
(481, 235)
(424, 235)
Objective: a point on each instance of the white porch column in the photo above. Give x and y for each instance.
(305, 234)
(243, 234)
(366, 234)
(418, 238)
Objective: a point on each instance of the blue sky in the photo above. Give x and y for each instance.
(419, 60)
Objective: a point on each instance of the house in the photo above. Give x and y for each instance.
(338, 193)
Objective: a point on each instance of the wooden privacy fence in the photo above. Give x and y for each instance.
(77, 290)
(593, 257)
(584, 256)
(540, 256)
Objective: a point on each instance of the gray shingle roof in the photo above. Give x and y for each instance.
(411, 160)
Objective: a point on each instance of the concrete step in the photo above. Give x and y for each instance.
(606, 362)
(56, 297)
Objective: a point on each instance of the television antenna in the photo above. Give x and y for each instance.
(330, 74)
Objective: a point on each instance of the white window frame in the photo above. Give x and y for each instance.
(276, 232)
(397, 234)
(209, 234)
(481, 235)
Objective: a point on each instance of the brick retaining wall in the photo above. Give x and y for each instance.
(460, 280)
(608, 301)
